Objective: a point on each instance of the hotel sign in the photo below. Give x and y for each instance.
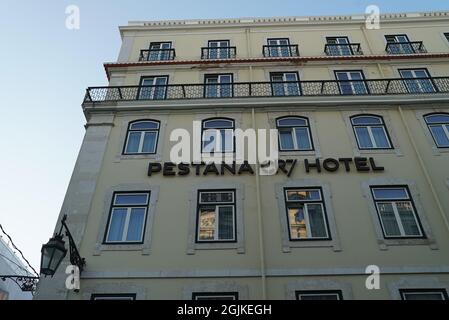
(357, 164)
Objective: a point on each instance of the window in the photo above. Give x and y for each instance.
(438, 124)
(306, 214)
(399, 44)
(153, 88)
(319, 295)
(215, 296)
(141, 137)
(370, 132)
(447, 36)
(420, 83)
(423, 294)
(351, 82)
(218, 135)
(113, 296)
(160, 51)
(285, 84)
(127, 217)
(218, 85)
(216, 216)
(279, 48)
(339, 46)
(396, 212)
(218, 49)
(294, 134)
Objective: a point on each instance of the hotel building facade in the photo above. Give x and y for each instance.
(363, 132)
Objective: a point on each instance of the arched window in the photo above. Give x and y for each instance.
(141, 137)
(370, 132)
(217, 135)
(294, 134)
(438, 124)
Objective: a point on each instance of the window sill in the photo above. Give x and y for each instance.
(385, 243)
(156, 157)
(99, 248)
(216, 246)
(311, 244)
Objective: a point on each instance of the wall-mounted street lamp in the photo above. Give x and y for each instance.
(54, 251)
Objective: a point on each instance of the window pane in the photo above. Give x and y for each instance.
(225, 223)
(218, 124)
(438, 118)
(117, 224)
(286, 139)
(209, 140)
(144, 125)
(299, 195)
(363, 138)
(149, 142)
(390, 193)
(216, 197)
(291, 122)
(389, 222)
(207, 223)
(302, 137)
(124, 199)
(319, 297)
(407, 216)
(366, 120)
(423, 296)
(278, 89)
(133, 142)
(227, 140)
(380, 137)
(297, 222)
(135, 226)
(316, 220)
(441, 139)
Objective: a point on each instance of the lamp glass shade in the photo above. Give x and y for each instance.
(53, 252)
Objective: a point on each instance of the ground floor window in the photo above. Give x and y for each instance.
(423, 294)
(319, 295)
(114, 296)
(215, 296)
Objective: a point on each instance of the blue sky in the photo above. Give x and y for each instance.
(45, 68)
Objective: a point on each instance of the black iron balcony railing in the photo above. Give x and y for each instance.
(347, 49)
(157, 54)
(269, 89)
(408, 47)
(290, 50)
(218, 52)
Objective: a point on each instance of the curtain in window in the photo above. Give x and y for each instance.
(133, 142)
(380, 137)
(117, 224)
(363, 137)
(302, 137)
(286, 139)
(389, 222)
(316, 221)
(408, 218)
(149, 142)
(225, 220)
(135, 225)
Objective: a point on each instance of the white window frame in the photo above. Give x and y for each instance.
(223, 46)
(293, 133)
(370, 133)
(278, 47)
(351, 81)
(285, 85)
(219, 84)
(215, 132)
(400, 43)
(152, 89)
(142, 137)
(128, 215)
(306, 203)
(444, 125)
(217, 205)
(340, 44)
(416, 80)
(162, 51)
(393, 203)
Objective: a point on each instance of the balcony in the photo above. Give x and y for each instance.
(419, 86)
(157, 55)
(410, 47)
(290, 50)
(218, 52)
(347, 49)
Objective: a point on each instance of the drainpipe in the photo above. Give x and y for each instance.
(259, 216)
(423, 168)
